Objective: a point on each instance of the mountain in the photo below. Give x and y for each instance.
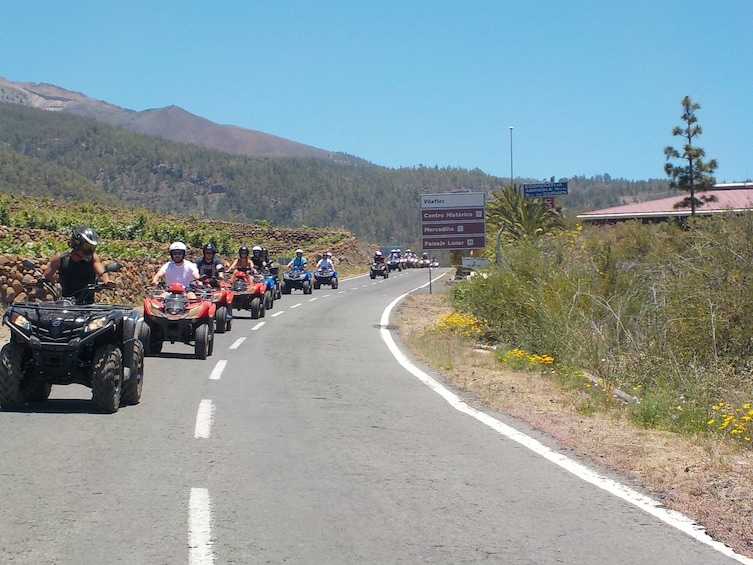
(62, 144)
(172, 123)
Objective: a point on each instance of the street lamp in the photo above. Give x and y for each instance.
(512, 184)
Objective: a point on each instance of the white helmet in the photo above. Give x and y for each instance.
(378, 254)
(256, 248)
(299, 251)
(178, 246)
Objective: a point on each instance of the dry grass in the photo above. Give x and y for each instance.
(707, 479)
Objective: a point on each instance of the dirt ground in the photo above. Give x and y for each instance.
(709, 480)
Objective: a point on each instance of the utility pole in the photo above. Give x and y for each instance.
(512, 182)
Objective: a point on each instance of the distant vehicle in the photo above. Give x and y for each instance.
(379, 270)
(325, 277)
(296, 279)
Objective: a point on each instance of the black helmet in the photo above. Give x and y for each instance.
(84, 238)
(209, 248)
(243, 250)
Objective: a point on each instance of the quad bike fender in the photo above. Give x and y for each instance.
(129, 335)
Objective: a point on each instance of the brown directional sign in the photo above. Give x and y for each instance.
(453, 228)
(454, 242)
(454, 220)
(452, 215)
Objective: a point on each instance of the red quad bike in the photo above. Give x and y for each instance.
(175, 316)
(219, 292)
(249, 293)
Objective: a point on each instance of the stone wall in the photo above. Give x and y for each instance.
(135, 275)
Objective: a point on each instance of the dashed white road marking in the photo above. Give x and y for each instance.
(295, 305)
(257, 326)
(237, 343)
(647, 504)
(200, 547)
(204, 418)
(278, 313)
(216, 373)
(312, 299)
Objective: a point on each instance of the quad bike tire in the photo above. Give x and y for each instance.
(256, 308)
(220, 320)
(307, 287)
(144, 335)
(155, 342)
(131, 393)
(372, 274)
(11, 373)
(317, 285)
(201, 342)
(285, 288)
(107, 379)
(269, 300)
(334, 282)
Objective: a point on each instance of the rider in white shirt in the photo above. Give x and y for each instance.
(325, 262)
(178, 270)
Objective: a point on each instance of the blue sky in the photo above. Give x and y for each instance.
(590, 87)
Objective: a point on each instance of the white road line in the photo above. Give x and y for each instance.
(342, 292)
(278, 313)
(216, 373)
(312, 299)
(200, 547)
(647, 504)
(295, 305)
(204, 418)
(257, 326)
(237, 343)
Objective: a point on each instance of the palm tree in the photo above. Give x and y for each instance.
(519, 217)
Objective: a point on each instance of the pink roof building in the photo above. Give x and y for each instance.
(730, 197)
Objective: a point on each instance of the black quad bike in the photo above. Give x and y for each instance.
(62, 341)
(379, 270)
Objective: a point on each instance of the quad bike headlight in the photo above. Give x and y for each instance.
(95, 324)
(19, 320)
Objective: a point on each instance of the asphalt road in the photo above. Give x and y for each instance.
(304, 440)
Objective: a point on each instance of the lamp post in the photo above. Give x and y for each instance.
(512, 184)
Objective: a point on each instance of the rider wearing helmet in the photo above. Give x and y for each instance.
(325, 263)
(257, 258)
(209, 264)
(78, 267)
(378, 257)
(178, 269)
(242, 264)
(298, 262)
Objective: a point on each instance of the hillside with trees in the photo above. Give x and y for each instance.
(71, 157)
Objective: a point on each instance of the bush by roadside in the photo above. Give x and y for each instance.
(704, 477)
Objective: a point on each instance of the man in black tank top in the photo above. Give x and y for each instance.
(78, 267)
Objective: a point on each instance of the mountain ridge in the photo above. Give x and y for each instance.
(171, 122)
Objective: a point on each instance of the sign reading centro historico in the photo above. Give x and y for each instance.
(454, 220)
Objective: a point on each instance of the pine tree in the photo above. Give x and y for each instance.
(697, 174)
